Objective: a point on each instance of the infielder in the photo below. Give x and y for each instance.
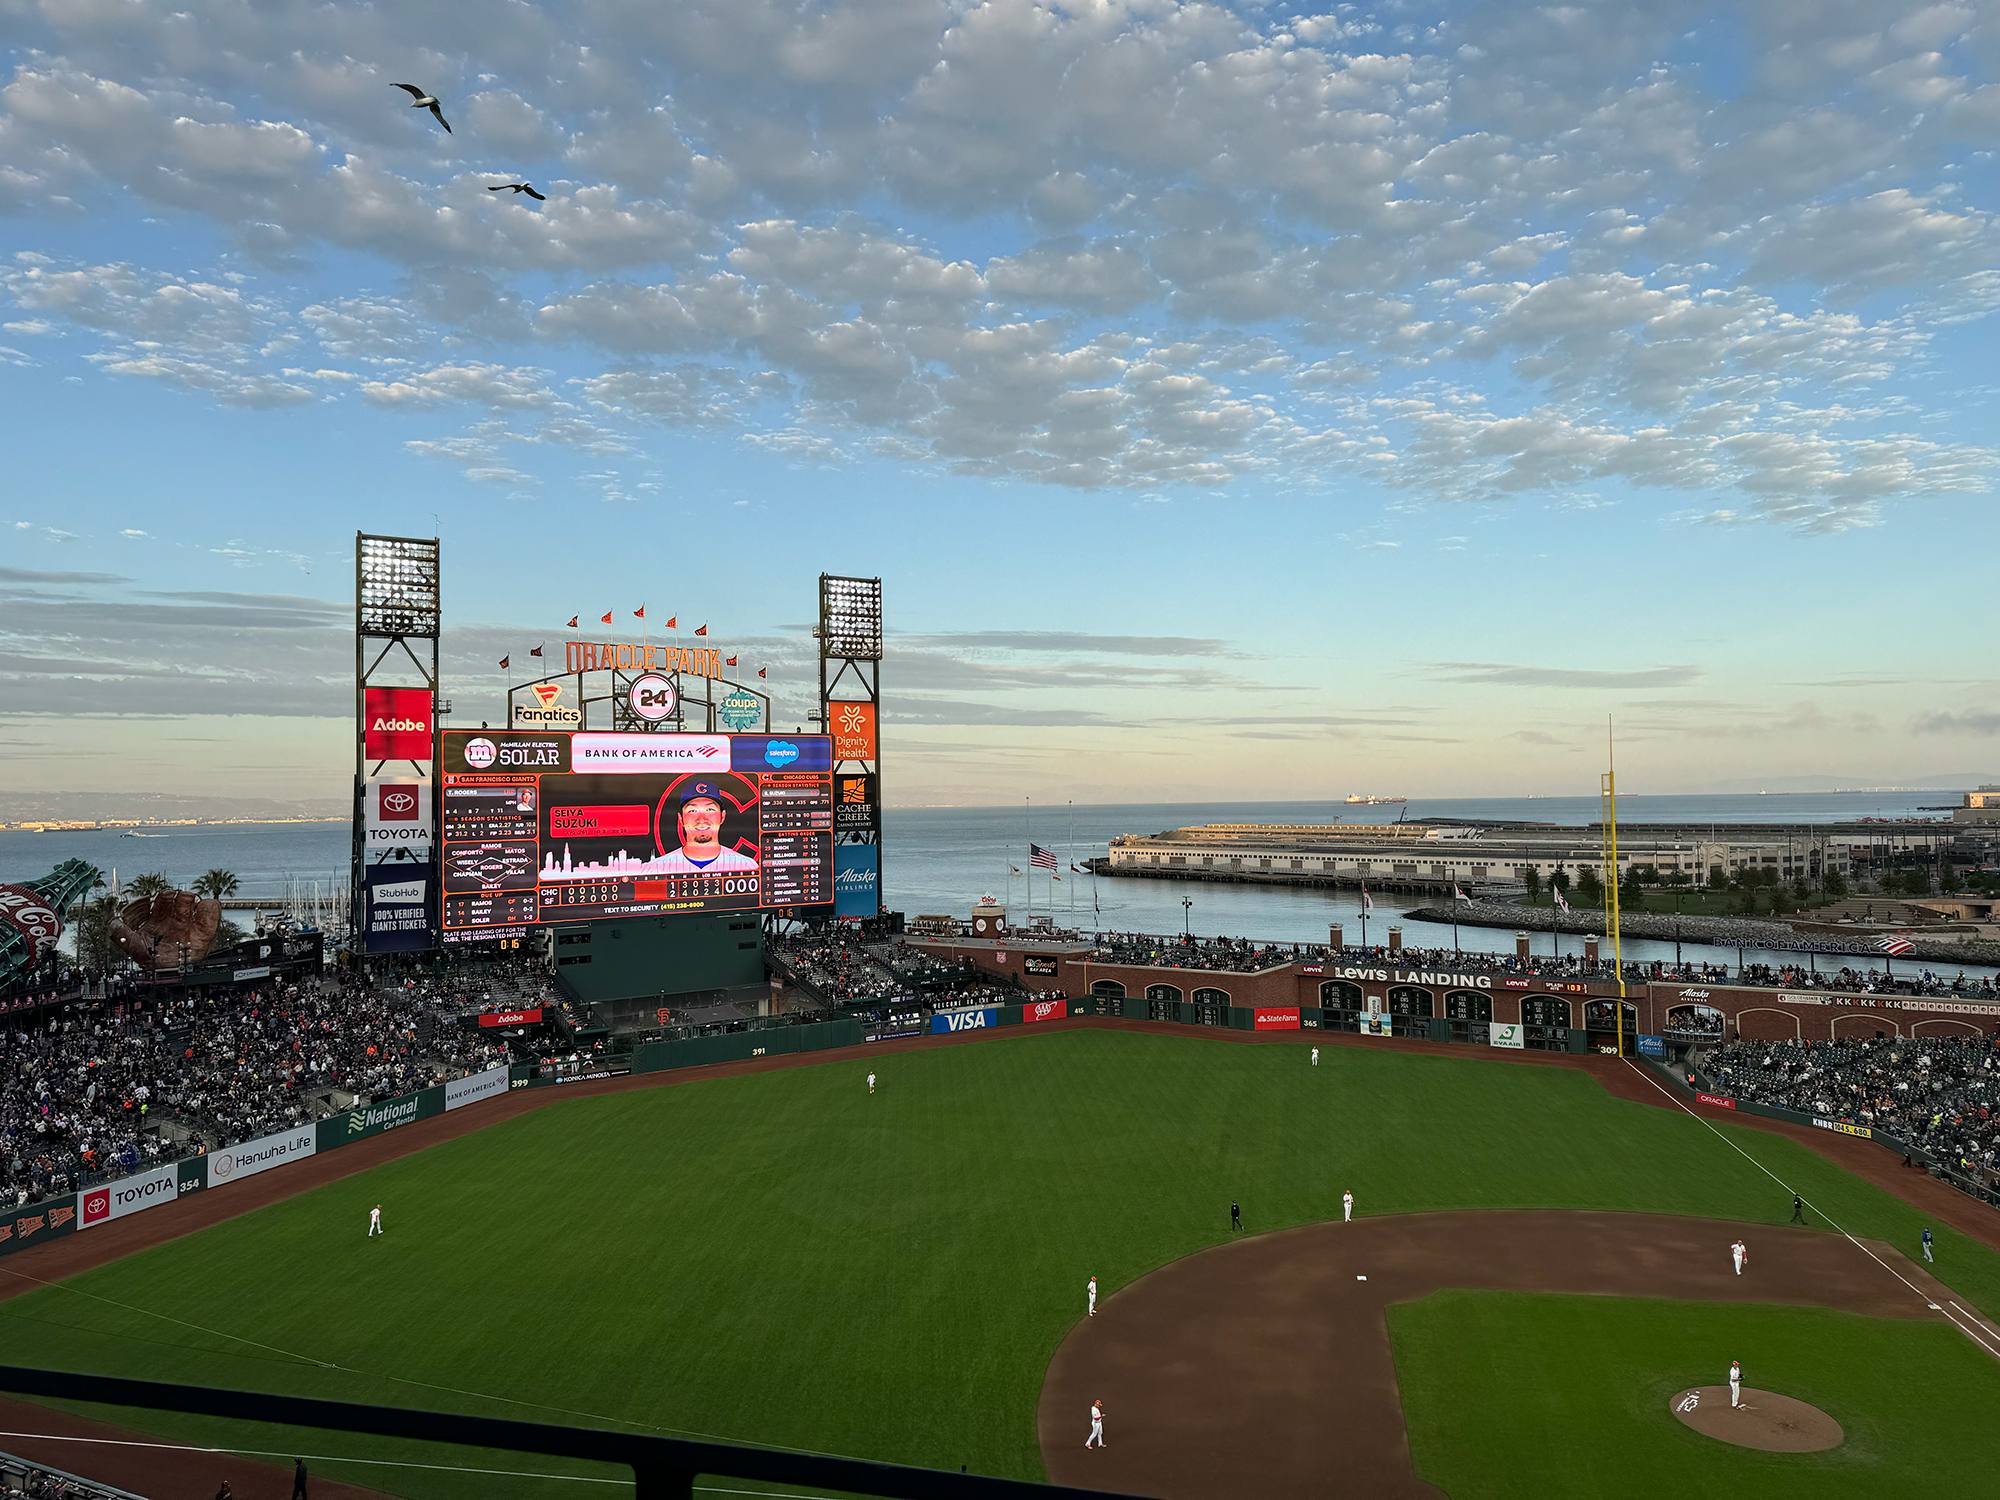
(1315, 1057)
(1347, 1207)
(375, 1221)
(1096, 1425)
(1735, 1384)
(1740, 1253)
(1927, 1242)
(1093, 1296)
(871, 1083)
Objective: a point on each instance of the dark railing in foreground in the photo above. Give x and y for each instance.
(663, 1468)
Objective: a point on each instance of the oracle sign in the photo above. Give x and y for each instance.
(31, 916)
(1044, 1010)
(396, 723)
(1716, 1100)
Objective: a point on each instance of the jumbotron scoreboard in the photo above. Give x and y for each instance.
(563, 827)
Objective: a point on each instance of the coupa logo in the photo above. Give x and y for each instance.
(781, 752)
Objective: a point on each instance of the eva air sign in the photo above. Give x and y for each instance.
(373, 1119)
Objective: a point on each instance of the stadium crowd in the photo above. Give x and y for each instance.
(125, 1085)
(1939, 1093)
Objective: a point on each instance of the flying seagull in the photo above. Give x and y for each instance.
(519, 187)
(425, 101)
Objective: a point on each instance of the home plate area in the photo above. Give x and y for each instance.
(1766, 1420)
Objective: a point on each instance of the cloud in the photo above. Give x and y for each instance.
(1972, 721)
(1500, 674)
(41, 575)
(1073, 641)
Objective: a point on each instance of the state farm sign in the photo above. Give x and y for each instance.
(396, 723)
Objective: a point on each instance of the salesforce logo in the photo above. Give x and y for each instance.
(781, 752)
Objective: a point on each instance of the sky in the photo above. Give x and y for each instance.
(1237, 403)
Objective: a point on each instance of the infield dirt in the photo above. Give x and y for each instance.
(1264, 1366)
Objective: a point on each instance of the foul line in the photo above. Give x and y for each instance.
(1970, 1330)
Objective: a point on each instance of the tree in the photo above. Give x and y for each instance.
(1800, 890)
(1834, 884)
(144, 887)
(228, 935)
(1559, 881)
(1631, 890)
(1782, 900)
(1532, 879)
(1948, 880)
(90, 923)
(1746, 899)
(216, 884)
(1716, 879)
(1589, 889)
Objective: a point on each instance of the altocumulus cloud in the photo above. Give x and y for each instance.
(1506, 252)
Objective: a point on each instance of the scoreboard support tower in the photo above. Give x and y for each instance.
(850, 677)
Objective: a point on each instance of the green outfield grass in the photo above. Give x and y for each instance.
(1513, 1393)
(779, 1256)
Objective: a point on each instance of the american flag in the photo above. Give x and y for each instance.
(1895, 942)
(1367, 901)
(1560, 902)
(1040, 858)
(1460, 894)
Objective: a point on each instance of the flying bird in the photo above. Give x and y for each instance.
(425, 101)
(519, 187)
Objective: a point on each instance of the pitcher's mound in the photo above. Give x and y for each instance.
(1766, 1420)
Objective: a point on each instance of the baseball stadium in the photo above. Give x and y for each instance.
(565, 1165)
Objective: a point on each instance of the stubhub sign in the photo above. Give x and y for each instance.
(965, 1020)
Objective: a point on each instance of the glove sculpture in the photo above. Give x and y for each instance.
(167, 930)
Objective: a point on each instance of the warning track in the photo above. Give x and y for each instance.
(1263, 1366)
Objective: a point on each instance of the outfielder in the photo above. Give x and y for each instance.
(1735, 1384)
(375, 1221)
(1315, 1057)
(1093, 1296)
(871, 1083)
(1740, 1253)
(1927, 1242)
(1096, 1425)
(1347, 1207)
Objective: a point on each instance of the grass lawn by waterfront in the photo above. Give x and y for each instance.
(1512, 1394)
(782, 1257)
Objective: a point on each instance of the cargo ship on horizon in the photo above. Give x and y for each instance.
(1355, 799)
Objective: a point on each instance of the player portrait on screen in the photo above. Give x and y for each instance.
(699, 828)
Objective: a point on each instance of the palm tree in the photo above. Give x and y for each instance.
(145, 887)
(216, 884)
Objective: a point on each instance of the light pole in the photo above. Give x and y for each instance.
(1677, 929)
(1187, 908)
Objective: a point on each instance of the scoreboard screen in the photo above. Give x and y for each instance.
(564, 827)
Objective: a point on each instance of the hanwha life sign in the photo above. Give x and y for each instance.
(652, 697)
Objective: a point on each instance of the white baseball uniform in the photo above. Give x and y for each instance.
(1347, 1206)
(1315, 1057)
(374, 1221)
(1738, 1252)
(1096, 1426)
(1735, 1384)
(1093, 1296)
(871, 1083)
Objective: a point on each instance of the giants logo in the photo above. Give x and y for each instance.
(396, 723)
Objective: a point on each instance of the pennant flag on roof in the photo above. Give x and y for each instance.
(639, 613)
(729, 661)
(701, 630)
(572, 622)
(761, 672)
(503, 663)
(538, 650)
(607, 616)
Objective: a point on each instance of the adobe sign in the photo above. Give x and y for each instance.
(396, 723)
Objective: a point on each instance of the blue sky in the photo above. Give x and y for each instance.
(1244, 402)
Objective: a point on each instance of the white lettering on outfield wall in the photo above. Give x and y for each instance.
(114, 1200)
(1415, 976)
(260, 1155)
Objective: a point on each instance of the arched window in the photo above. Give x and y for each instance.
(1468, 1005)
(1703, 1022)
(1409, 1000)
(1164, 992)
(1211, 997)
(1598, 1015)
(1543, 1010)
(1338, 994)
(1108, 989)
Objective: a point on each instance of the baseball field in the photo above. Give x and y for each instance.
(781, 1257)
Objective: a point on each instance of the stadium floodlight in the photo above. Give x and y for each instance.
(850, 618)
(396, 586)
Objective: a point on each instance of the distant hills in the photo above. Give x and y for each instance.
(79, 807)
(1956, 781)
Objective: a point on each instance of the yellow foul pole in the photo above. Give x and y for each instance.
(1610, 788)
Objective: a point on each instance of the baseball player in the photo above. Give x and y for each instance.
(1096, 1425)
(1315, 1057)
(375, 1221)
(1235, 1216)
(1927, 1242)
(1347, 1207)
(1093, 1296)
(1740, 1253)
(871, 1083)
(1735, 1384)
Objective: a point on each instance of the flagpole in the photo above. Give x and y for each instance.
(1070, 855)
(1028, 833)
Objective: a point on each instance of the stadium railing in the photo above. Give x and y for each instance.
(662, 1468)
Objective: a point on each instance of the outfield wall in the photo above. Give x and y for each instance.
(72, 1213)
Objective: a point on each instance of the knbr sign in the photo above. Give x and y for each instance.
(396, 723)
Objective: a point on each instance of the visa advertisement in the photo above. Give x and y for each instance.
(965, 1020)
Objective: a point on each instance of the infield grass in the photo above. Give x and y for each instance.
(781, 1257)
(1512, 1394)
